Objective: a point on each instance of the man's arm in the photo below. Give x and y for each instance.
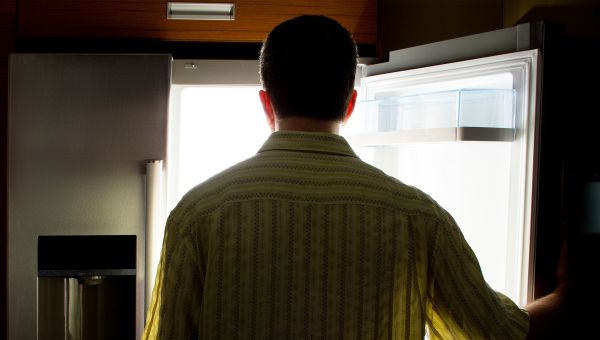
(461, 304)
(174, 312)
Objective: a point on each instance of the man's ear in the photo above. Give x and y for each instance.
(267, 108)
(351, 105)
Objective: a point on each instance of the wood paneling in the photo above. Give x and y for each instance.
(7, 39)
(147, 19)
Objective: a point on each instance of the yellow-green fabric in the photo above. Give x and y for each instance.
(305, 241)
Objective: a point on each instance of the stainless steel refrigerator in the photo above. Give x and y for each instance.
(84, 130)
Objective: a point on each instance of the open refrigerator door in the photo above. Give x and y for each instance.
(464, 133)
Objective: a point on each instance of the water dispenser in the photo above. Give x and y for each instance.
(86, 287)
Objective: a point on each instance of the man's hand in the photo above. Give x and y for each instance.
(548, 313)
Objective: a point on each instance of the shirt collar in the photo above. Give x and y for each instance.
(321, 142)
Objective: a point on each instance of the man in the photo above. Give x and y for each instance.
(305, 241)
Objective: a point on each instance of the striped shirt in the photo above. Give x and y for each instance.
(306, 241)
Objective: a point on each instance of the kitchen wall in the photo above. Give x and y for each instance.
(515, 10)
(407, 23)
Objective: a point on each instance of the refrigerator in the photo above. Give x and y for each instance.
(87, 142)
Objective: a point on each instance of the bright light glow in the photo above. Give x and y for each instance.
(468, 179)
(213, 128)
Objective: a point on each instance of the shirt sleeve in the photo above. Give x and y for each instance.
(461, 304)
(177, 294)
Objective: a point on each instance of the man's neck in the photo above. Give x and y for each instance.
(307, 124)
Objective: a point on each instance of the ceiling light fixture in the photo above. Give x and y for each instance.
(200, 11)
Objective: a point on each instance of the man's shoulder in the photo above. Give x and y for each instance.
(342, 179)
(392, 193)
(214, 187)
(410, 200)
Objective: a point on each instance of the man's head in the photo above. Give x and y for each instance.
(307, 68)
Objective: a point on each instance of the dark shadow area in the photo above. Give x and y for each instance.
(569, 165)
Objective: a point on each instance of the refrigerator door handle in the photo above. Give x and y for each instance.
(154, 225)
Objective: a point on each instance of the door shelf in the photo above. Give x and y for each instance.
(456, 115)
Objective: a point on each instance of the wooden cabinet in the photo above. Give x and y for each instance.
(147, 19)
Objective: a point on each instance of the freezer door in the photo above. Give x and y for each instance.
(81, 128)
(465, 133)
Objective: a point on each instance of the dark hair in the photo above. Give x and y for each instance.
(307, 66)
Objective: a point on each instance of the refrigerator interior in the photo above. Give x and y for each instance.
(212, 127)
(215, 121)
